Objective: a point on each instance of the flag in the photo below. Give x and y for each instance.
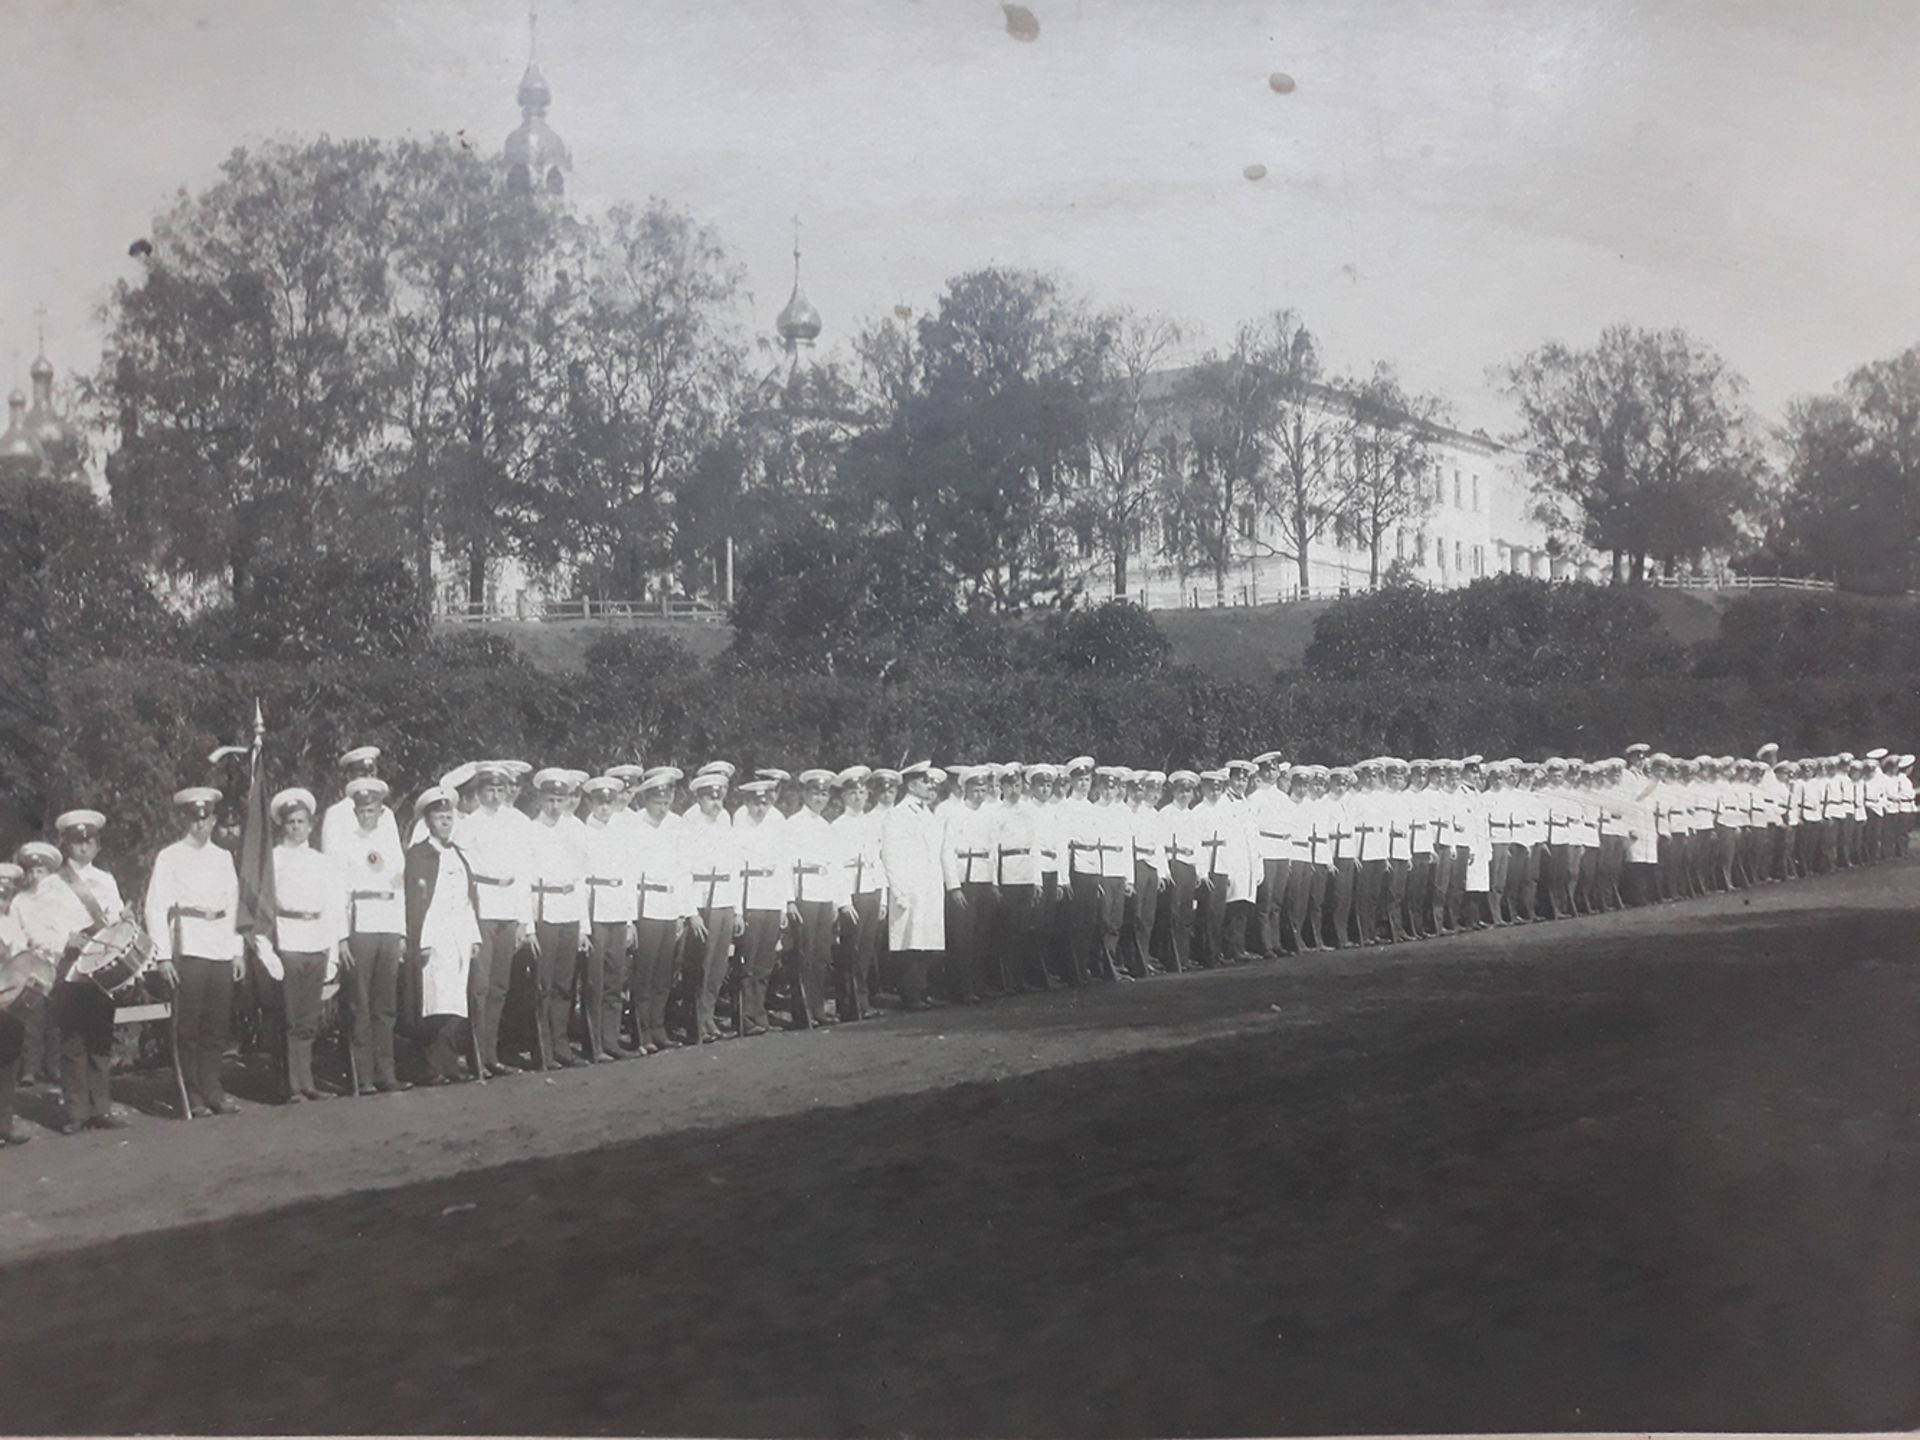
(256, 845)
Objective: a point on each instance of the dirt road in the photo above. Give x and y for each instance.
(1647, 1171)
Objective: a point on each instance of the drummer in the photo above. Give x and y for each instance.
(13, 1029)
(71, 898)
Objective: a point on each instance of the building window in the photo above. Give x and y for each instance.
(1459, 557)
(1399, 544)
(1246, 522)
(1440, 555)
(1456, 491)
(1086, 544)
(1476, 494)
(1480, 560)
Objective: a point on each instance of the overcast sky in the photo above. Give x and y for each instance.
(1447, 185)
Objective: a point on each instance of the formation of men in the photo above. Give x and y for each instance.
(649, 913)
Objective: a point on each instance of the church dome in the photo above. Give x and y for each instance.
(19, 456)
(54, 437)
(536, 157)
(798, 320)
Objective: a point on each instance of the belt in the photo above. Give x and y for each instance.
(542, 888)
(805, 869)
(490, 880)
(1274, 835)
(196, 912)
(299, 914)
(596, 880)
(375, 895)
(654, 887)
(753, 874)
(1004, 852)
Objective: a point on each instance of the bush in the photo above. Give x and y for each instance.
(317, 605)
(1113, 639)
(1783, 637)
(1506, 629)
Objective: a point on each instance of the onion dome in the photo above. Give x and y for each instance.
(58, 444)
(19, 456)
(798, 322)
(536, 157)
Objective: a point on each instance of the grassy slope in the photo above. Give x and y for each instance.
(1238, 643)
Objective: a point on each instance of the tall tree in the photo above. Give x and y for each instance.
(986, 421)
(654, 375)
(239, 364)
(484, 288)
(1851, 505)
(1640, 445)
(1305, 424)
(1392, 461)
(1126, 418)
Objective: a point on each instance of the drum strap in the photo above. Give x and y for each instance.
(83, 892)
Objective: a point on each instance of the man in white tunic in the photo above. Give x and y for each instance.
(916, 899)
(309, 930)
(495, 841)
(367, 850)
(443, 934)
(192, 902)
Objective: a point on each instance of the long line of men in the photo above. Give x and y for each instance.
(650, 915)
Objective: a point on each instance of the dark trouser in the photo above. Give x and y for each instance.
(1420, 893)
(1136, 922)
(372, 993)
(707, 966)
(977, 948)
(306, 974)
(1586, 869)
(40, 1055)
(1439, 886)
(1299, 903)
(656, 948)
(1640, 884)
(487, 980)
(1181, 918)
(1094, 937)
(442, 1034)
(610, 971)
(1313, 934)
(14, 1029)
(859, 943)
(759, 950)
(1018, 938)
(1369, 887)
(1560, 862)
(912, 968)
(1340, 920)
(84, 1014)
(1276, 918)
(202, 1010)
(1499, 863)
(1212, 943)
(1456, 897)
(812, 957)
(1398, 874)
(556, 976)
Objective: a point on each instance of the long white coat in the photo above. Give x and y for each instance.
(910, 847)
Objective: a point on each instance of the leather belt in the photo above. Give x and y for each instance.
(299, 914)
(375, 895)
(542, 888)
(596, 880)
(490, 880)
(196, 912)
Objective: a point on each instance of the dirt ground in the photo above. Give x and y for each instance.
(1651, 1171)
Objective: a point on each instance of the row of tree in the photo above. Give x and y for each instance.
(380, 345)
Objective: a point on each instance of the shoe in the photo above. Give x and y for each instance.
(199, 1111)
(500, 1069)
(14, 1136)
(114, 1119)
(224, 1106)
(751, 1031)
(434, 1081)
(72, 1127)
(295, 1097)
(611, 1055)
(316, 1093)
(368, 1089)
(390, 1087)
(567, 1062)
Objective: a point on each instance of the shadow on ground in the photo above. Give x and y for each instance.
(1620, 1185)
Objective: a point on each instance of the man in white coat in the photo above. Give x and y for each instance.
(916, 900)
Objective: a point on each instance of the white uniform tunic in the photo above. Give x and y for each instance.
(663, 883)
(374, 870)
(859, 837)
(557, 852)
(309, 901)
(496, 848)
(916, 904)
(192, 902)
(448, 934)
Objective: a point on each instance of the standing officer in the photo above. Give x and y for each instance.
(967, 869)
(367, 850)
(916, 888)
(1149, 873)
(611, 876)
(495, 842)
(75, 898)
(192, 901)
(822, 898)
(766, 898)
(710, 859)
(1270, 814)
(1018, 951)
(857, 832)
(558, 874)
(309, 931)
(342, 817)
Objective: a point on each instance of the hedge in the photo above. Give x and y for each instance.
(127, 733)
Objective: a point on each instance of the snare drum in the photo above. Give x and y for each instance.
(26, 979)
(113, 957)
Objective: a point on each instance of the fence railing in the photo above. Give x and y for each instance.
(584, 608)
(1737, 582)
(1207, 597)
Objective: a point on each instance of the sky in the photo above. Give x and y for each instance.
(1448, 183)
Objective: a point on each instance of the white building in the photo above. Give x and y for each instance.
(1477, 522)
